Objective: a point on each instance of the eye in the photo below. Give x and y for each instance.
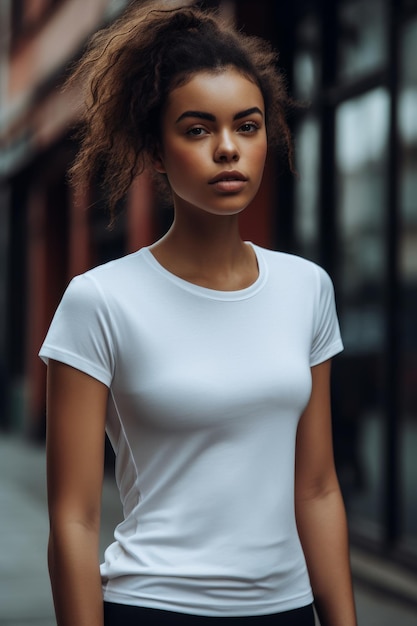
(249, 127)
(197, 131)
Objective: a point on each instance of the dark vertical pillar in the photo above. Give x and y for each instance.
(393, 502)
(283, 36)
(37, 305)
(16, 306)
(5, 224)
(327, 186)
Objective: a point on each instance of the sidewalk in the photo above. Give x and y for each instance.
(25, 598)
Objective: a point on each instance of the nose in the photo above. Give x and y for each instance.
(226, 148)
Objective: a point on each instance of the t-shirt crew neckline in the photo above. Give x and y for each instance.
(205, 292)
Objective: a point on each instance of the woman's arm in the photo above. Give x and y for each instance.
(76, 409)
(320, 512)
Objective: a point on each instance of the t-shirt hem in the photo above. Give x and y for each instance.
(75, 361)
(229, 611)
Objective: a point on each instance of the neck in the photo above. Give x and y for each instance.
(210, 254)
(213, 240)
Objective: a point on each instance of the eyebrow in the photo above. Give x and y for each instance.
(202, 115)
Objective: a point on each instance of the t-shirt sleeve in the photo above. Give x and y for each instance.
(327, 341)
(80, 332)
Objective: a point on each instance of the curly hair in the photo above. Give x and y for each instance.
(128, 71)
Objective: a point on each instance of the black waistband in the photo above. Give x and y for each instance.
(125, 615)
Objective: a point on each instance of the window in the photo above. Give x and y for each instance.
(362, 38)
(362, 126)
(307, 82)
(306, 189)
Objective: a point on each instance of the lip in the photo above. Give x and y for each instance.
(228, 176)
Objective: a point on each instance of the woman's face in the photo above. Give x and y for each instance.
(214, 142)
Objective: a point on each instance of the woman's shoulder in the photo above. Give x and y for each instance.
(114, 274)
(115, 268)
(289, 262)
(106, 283)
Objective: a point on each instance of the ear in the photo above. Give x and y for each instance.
(157, 161)
(158, 165)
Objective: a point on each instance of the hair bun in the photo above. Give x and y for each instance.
(185, 20)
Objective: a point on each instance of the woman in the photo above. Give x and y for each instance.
(206, 358)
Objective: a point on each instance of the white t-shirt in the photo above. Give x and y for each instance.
(206, 390)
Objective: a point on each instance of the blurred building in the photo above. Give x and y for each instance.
(353, 209)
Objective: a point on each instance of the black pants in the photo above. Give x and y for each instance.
(123, 615)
